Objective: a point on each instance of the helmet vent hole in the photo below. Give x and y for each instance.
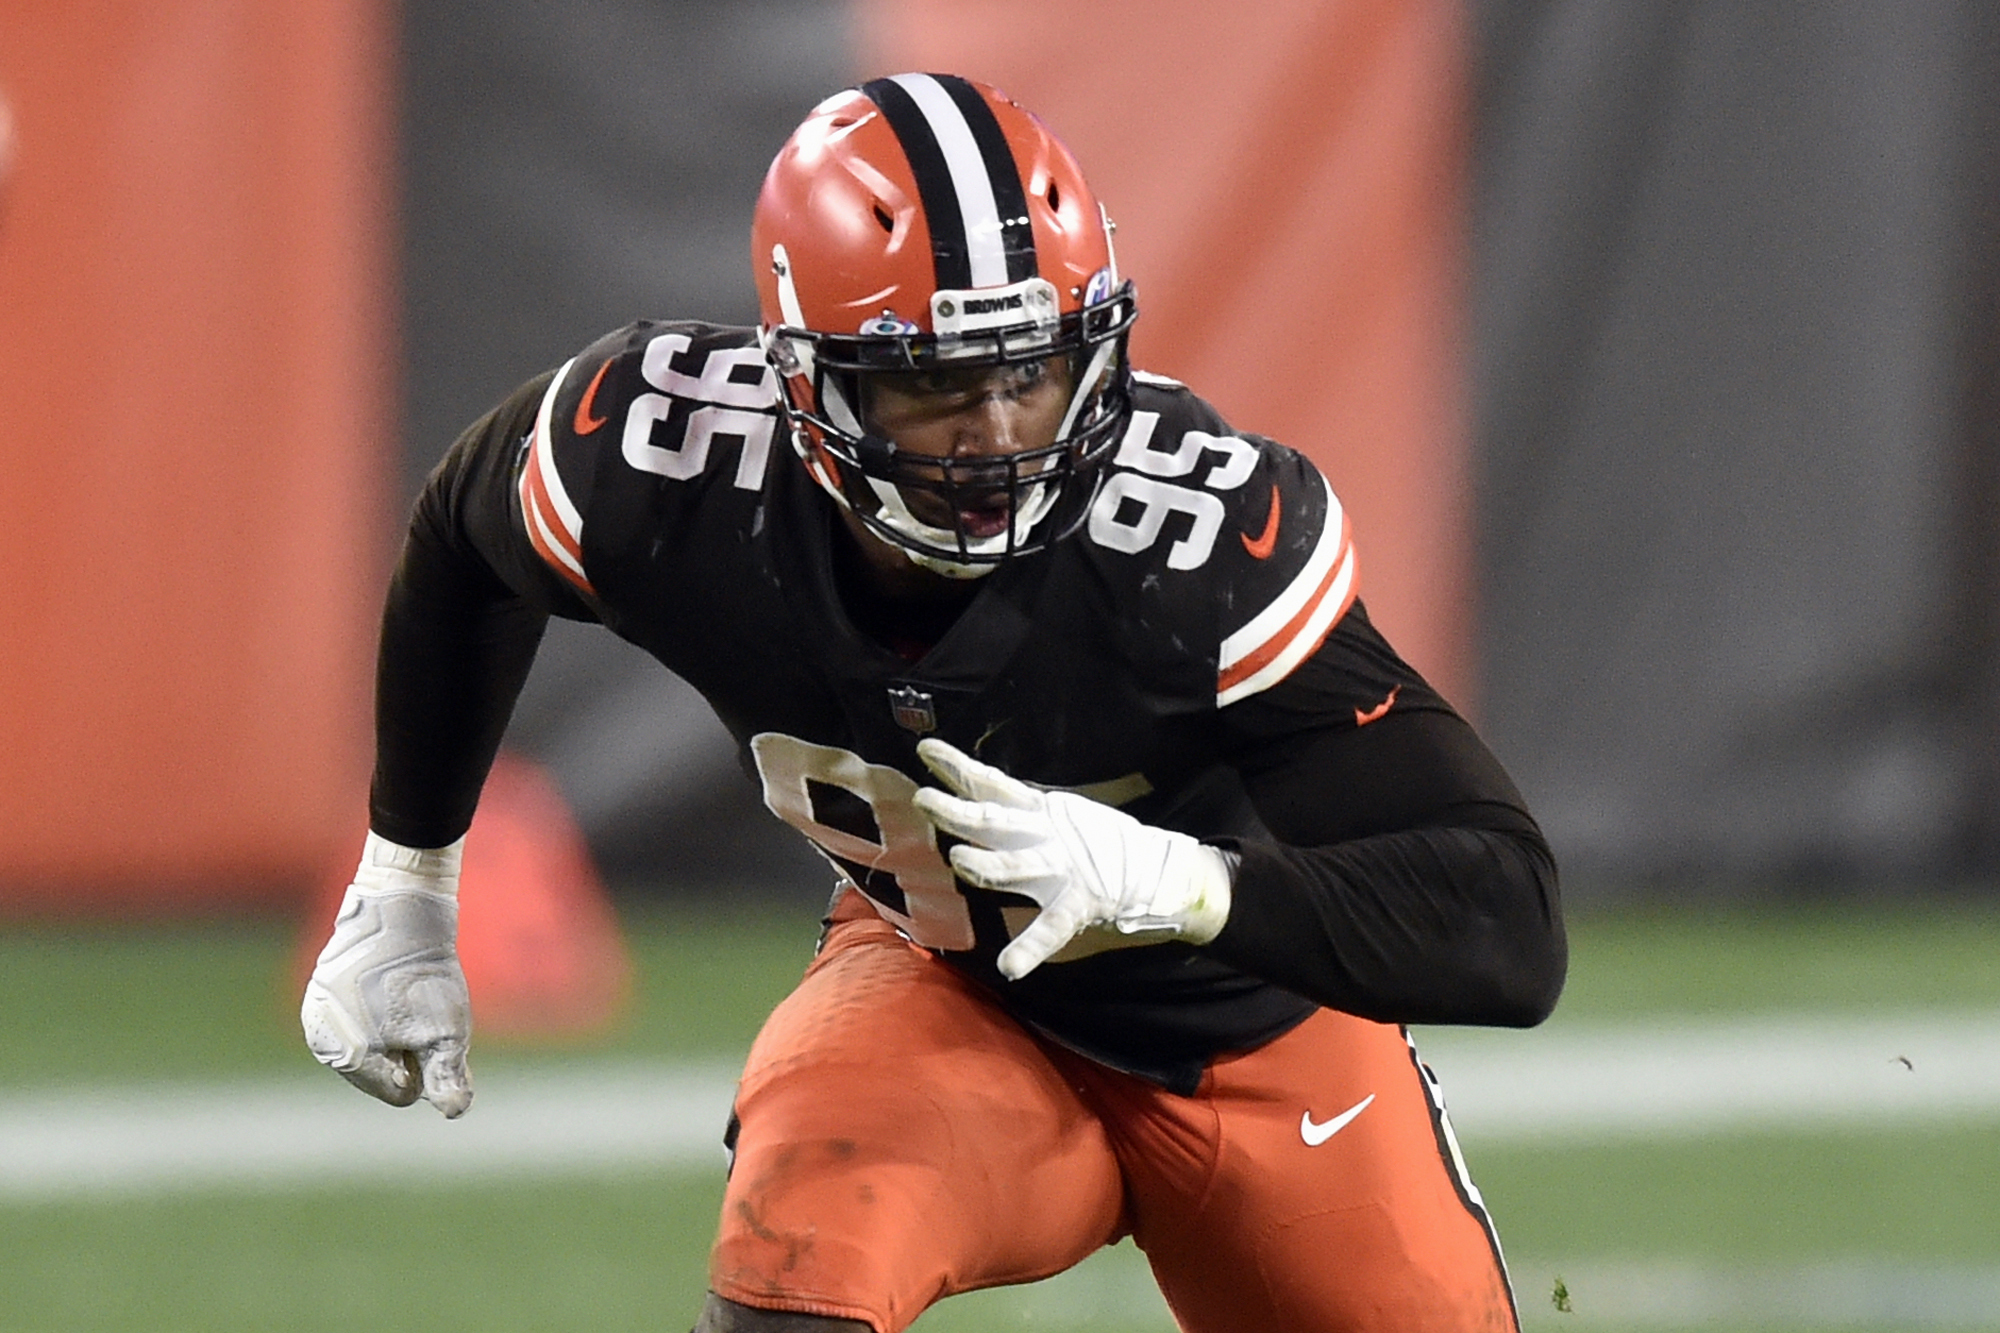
(1054, 196)
(882, 216)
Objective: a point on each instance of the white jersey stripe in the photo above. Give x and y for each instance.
(985, 244)
(544, 458)
(524, 487)
(549, 545)
(1301, 645)
(1273, 618)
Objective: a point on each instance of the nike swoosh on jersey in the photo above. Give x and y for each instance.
(1266, 541)
(1316, 1134)
(585, 421)
(1363, 717)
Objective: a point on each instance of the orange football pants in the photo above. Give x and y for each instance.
(902, 1139)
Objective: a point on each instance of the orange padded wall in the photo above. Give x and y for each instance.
(1289, 183)
(194, 345)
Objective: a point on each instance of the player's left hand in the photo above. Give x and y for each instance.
(1085, 863)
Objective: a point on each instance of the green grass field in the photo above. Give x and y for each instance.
(1737, 1215)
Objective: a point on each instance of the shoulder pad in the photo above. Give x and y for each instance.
(1235, 530)
(1295, 580)
(664, 397)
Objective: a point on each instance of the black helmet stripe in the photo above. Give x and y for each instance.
(1017, 233)
(967, 180)
(935, 190)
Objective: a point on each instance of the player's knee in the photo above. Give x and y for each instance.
(719, 1315)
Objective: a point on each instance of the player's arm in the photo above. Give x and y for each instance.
(465, 613)
(1407, 881)
(466, 608)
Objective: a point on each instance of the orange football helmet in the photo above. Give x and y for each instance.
(922, 221)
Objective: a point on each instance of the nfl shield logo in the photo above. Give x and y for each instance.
(912, 709)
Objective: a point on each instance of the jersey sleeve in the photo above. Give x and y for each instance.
(577, 425)
(1397, 874)
(572, 474)
(1236, 550)
(634, 436)
(493, 550)
(473, 512)
(1289, 566)
(1405, 879)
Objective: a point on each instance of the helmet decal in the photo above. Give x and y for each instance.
(1099, 287)
(966, 177)
(888, 324)
(1032, 303)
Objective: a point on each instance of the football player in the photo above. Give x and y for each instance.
(1146, 842)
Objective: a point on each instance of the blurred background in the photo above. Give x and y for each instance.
(1654, 346)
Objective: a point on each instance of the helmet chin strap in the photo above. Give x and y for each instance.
(1087, 385)
(910, 534)
(895, 515)
(892, 521)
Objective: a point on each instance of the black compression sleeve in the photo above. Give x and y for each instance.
(455, 651)
(1408, 883)
(465, 614)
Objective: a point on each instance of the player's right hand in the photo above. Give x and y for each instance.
(1088, 865)
(387, 1007)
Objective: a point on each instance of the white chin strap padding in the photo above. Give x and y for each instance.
(895, 515)
(838, 410)
(951, 569)
(1035, 507)
(1086, 386)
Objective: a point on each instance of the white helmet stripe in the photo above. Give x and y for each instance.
(977, 204)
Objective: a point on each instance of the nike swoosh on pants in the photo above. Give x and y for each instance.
(1316, 1134)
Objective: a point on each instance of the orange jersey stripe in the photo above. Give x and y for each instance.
(546, 532)
(535, 496)
(1286, 636)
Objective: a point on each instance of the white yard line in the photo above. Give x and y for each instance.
(1562, 1083)
(1574, 1083)
(583, 1119)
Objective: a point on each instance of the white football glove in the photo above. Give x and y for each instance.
(386, 1007)
(1087, 864)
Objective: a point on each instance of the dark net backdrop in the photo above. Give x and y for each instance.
(568, 167)
(1733, 280)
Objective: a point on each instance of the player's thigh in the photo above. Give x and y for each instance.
(1335, 1198)
(900, 1139)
